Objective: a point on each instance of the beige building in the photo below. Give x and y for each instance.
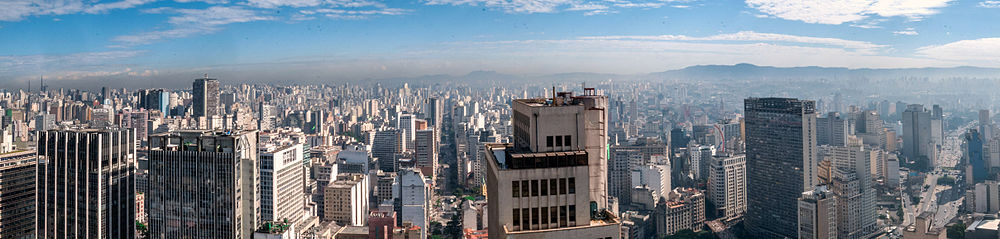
(346, 200)
(683, 209)
(546, 184)
(727, 185)
(817, 214)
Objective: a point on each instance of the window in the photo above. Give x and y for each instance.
(572, 215)
(545, 187)
(572, 185)
(548, 141)
(534, 188)
(524, 217)
(562, 217)
(517, 217)
(534, 216)
(524, 188)
(515, 189)
(562, 186)
(559, 141)
(554, 213)
(554, 185)
(568, 140)
(545, 216)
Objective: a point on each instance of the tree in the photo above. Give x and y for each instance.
(956, 231)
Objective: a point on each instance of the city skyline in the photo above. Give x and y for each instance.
(336, 41)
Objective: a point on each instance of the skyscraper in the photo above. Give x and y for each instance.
(550, 183)
(205, 97)
(346, 200)
(434, 112)
(917, 137)
(781, 163)
(414, 195)
(852, 186)
(817, 214)
(281, 179)
(86, 183)
(727, 185)
(387, 144)
(831, 130)
(426, 152)
(17, 194)
(203, 184)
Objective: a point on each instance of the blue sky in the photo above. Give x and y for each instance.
(360, 39)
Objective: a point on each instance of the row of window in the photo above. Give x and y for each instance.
(559, 140)
(534, 218)
(543, 187)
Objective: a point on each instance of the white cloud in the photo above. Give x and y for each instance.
(842, 11)
(282, 3)
(990, 4)
(750, 36)
(191, 22)
(549, 6)
(908, 32)
(16, 10)
(38, 64)
(355, 14)
(981, 52)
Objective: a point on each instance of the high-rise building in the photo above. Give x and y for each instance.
(103, 163)
(265, 117)
(408, 123)
(203, 184)
(622, 162)
(985, 125)
(346, 200)
(817, 214)
(683, 209)
(831, 130)
(781, 163)
(727, 185)
(205, 97)
(435, 112)
(700, 160)
(972, 156)
(282, 196)
(551, 182)
(425, 154)
(414, 195)
(852, 186)
(917, 137)
(17, 194)
(387, 144)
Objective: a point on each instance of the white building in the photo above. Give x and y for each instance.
(727, 185)
(281, 183)
(414, 193)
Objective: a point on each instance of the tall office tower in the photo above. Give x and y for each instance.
(917, 142)
(414, 195)
(17, 194)
(387, 144)
(781, 163)
(155, 99)
(972, 156)
(937, 125)
(138, 120)
(265, 117)
(622, 162)
(317, 123)
(44, 122)
(868, 122)
(727, 185)
(426, 153)
(86, 184)
(551, 181)
(282, 195)
(855, 194)
(407, 123)
(985, 125)
(203, 184)
(346, 200)
(700, 159)
(832, 130)
(205, 97)
(435, 112)
(817, 214)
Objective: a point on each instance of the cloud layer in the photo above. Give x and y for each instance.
(843, 11)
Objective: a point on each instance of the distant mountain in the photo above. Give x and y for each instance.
(750, 71)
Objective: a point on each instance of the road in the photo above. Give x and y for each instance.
(949, 156)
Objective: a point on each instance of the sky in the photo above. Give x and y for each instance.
(149, 40)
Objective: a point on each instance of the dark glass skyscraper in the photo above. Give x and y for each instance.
(205, 97)
(86, 183)
(781, 163)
